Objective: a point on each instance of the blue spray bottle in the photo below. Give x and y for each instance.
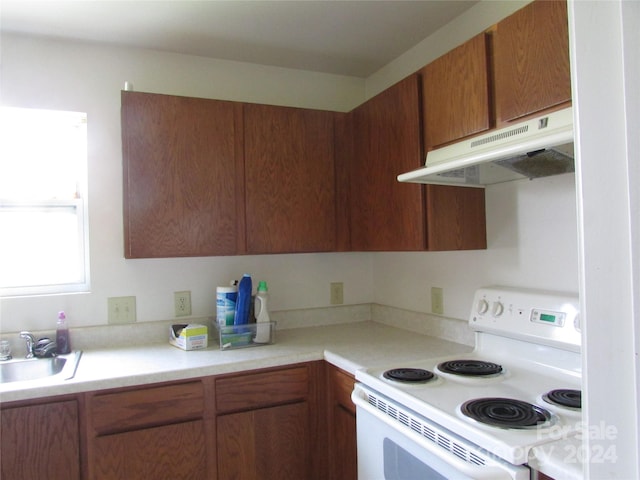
(243, 302)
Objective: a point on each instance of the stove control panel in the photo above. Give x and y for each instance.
(538, 316)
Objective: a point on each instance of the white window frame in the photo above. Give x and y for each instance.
(77, 205)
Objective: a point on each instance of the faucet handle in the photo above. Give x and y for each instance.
(5, 350)
(31, 343)
(45, 347)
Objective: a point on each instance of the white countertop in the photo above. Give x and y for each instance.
(348, 346)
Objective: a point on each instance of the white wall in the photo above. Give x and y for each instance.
(88, 78)
(531, 243)
(73, 76)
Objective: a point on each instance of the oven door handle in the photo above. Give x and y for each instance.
(491, 470)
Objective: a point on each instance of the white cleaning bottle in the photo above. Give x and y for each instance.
(263, 328)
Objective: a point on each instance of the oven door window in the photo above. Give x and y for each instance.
(399, 464)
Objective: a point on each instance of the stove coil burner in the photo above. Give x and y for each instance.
(564, 397)
(471, 368)
(506, 413)
(409, 375)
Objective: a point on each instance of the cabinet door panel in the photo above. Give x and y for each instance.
(290, 180)
(456, 94)
(171, 452)
(180, 189)
(40, 441)
(341, 388)
(270, 443)
(456, 218)
(342, 426)
(531, 49)
(344, 465)
(385, 214)
(343, 156)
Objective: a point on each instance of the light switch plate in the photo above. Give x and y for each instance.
(121, 310)
(337, 293)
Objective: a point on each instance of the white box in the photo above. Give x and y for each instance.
(191, 336)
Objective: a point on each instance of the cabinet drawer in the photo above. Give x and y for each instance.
(342, 385)
(261, 389)
(128, 410)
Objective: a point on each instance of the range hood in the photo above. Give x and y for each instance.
(539, 147)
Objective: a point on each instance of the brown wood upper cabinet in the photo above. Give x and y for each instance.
(518, 68)
(455, 93)
(387, 215)
(456, 218)
(208, 177)
(531, 61)
(390, 216)
(290, 179)
(183, 189)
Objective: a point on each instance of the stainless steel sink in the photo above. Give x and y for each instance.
(62, 367)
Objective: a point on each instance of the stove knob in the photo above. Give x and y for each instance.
(483, 306)
(497, 309)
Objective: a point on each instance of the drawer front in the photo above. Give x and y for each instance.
(122, 411)
(256, 390)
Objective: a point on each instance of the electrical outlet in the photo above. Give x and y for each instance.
(182, 301)
(337, 294)
(121, 310)
(437, 303)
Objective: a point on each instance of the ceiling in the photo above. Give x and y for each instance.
(353, 38)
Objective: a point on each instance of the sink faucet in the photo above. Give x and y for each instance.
(31, 343)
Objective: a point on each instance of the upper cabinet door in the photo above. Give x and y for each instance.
(180, 175)
(456, 94)
(290, 180)
(531, 49)
(385, 214)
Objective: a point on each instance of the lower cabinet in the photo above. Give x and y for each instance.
(267, 443)
(147, 432)
(267, 423)
(264, 424)
(342, 425)
(40, 441)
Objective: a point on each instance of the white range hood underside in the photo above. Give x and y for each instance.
(539, 147)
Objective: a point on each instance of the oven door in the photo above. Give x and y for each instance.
(395, 443)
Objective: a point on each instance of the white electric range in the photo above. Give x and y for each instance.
(477, 415)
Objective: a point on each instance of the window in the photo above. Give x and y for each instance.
(43, 212)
